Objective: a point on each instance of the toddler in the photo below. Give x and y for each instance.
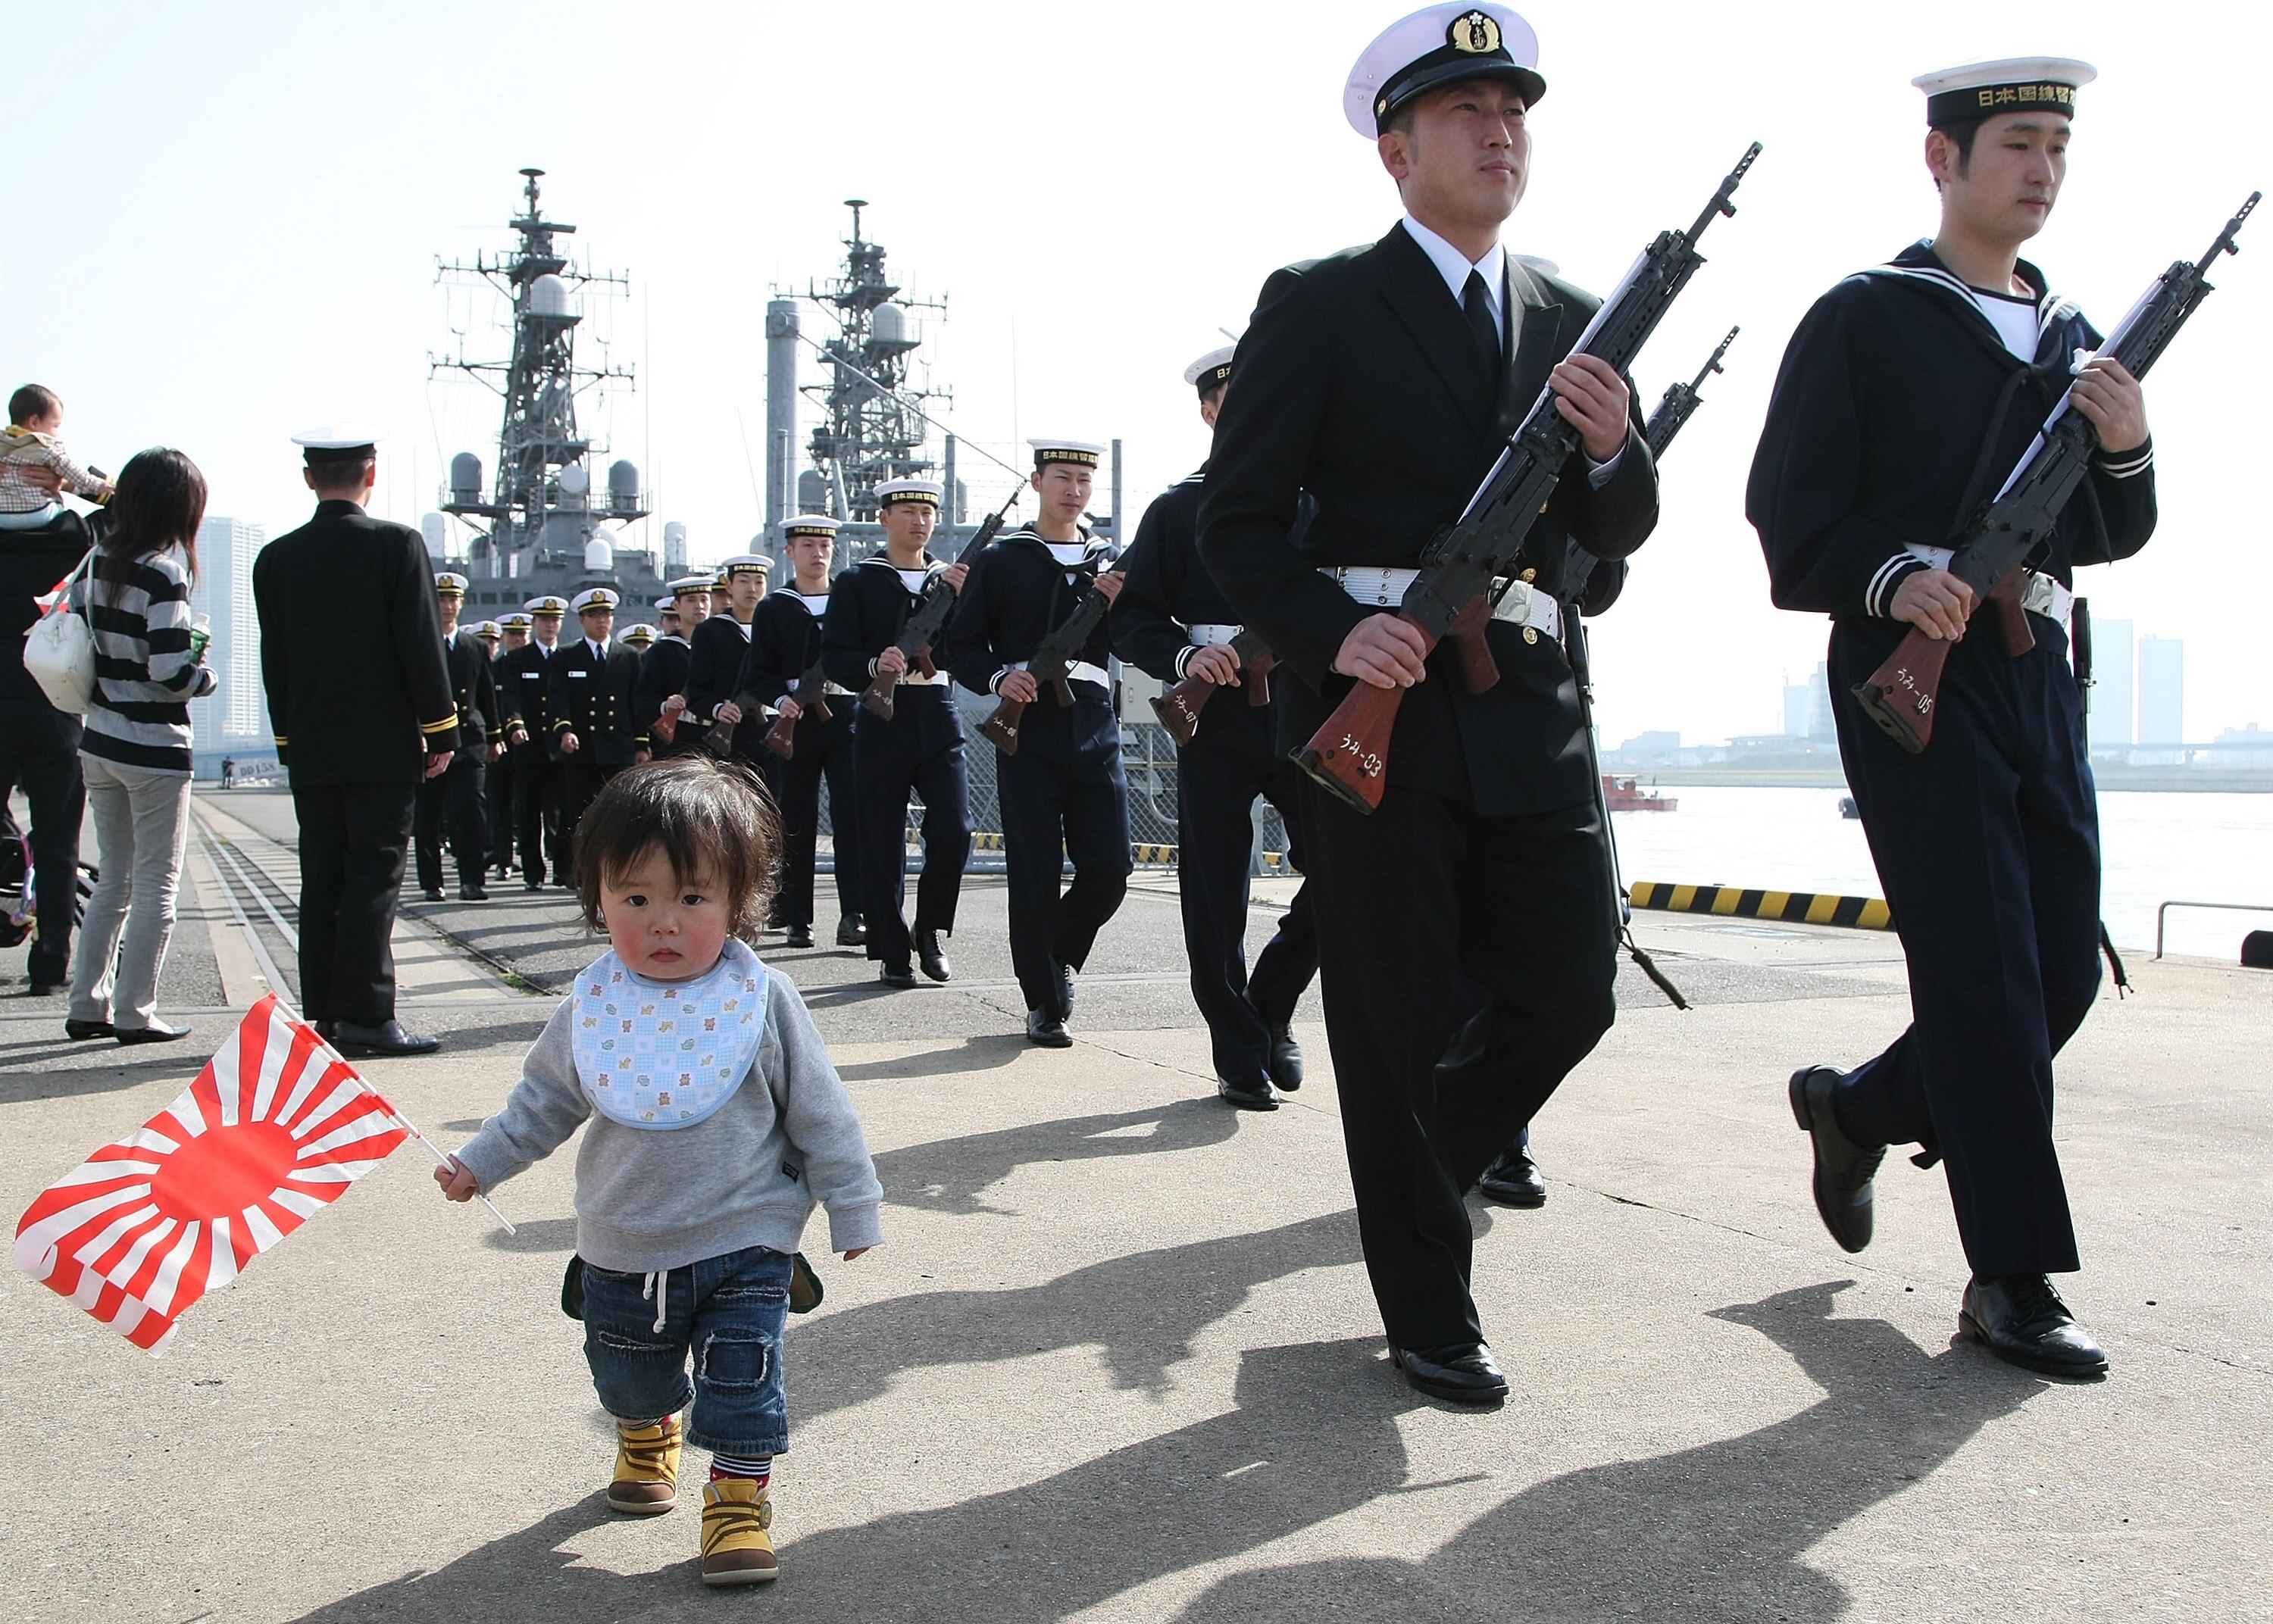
(35, 416)
(716, 1124)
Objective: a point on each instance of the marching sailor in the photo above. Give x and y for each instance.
(662, 692)
(1907, 395)
(458, 799)
(919, 748)
(523, 690)
(589, 692)
(1172, 621)
(638, 636)
(717, 650)
(512, 633)
(1464, 945)
(1062, 790)
(785, 637)
(359, 692)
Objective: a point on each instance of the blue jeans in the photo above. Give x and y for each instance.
(728, 1312)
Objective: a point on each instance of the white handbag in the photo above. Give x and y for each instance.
(59, 650)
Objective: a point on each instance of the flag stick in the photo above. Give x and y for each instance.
(449, 1161)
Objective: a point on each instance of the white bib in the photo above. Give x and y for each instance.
(665, 1054)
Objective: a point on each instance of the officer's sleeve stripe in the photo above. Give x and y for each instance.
(443, 726)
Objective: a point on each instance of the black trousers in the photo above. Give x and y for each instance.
(353, 838)
(537, 782)
(1467, 965)
(499, 775)
(1228, 763)
(1988, 847)
(1063, 797)
(919, 750)
(822, 749)
(39, 749)
(577, 778)
(457, 805)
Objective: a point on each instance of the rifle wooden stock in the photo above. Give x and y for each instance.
(1002, 726)
(1179, 708)
(1349, 757)
(1900, 695)
(781, 738)
(876, 697)
(811, 697)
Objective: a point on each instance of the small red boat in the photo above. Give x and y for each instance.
(1626, 795)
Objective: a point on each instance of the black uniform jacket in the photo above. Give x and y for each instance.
(1016, 595)
(714, 671)
(1880, 434)
(592, 698)
(662, 672)
(868, 610)
(480, 718)
(520, 675)
(785, 642)
(351, 650)
(1360, 384)
(1169, 589)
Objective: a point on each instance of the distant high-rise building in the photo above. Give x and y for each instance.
(1798, 700)
(234, 714)
(1822, 727)
(2113, 682)
(2162, 695)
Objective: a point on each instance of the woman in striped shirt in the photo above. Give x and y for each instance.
(149, 663)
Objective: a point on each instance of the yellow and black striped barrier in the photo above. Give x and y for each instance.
(1861, 913)
(1155, 854)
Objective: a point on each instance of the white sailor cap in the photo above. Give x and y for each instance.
(547, 605)
(690, 583)
(1212, 371)
(449, 583)
(810, 524)
(929, 491)
(594, 598)
(639, 635)
(1441, 45)
(338, 442)
(746, 563)
(1080, 453)
(515, 622)
(667, 605)
(2010, 84)
(488, 631)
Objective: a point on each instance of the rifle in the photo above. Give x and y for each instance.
(811, 697)
(929, 620)
(2080, 651)
(1450, 597)
(1900, 695)
(1052, 656)
(1179, 708)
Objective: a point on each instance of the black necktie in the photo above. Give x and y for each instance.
(1476, 304)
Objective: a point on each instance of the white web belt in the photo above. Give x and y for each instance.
(1522, 605)
(1210, 635)
(2040, 594)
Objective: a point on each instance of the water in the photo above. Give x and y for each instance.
(2156, 847)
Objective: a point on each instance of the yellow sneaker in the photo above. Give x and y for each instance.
(645, 1483)
(737, 1549)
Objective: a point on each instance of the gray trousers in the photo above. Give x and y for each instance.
(141, 828)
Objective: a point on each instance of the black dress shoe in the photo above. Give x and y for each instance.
(851, 932)
(353, 1037)
(47, 989)
(1466, 1373)
(1844, 1169)
(433, 894)
(928, 954)
(799, 936)
(1047, 1029)
(156, 1032)
(1065, 991)
(1254, 1094)
(1514, 1180)
(896, 976)
(2021, 1319)
(79, 1031)
(1285, 1058)
(472, 894)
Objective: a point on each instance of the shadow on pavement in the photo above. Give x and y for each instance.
(951, 1175)
(976, 1053)
(1718, 1531)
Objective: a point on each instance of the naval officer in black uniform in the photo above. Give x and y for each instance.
(662, 691)
(785, 637)
(1907, 395)
(1063, 791)
(457, 801)
(1172, 621)
(1465, 947)
(917, 748)
(359, 695)
(512, 633)
(522, 677)
(588, 689)
(717, 654)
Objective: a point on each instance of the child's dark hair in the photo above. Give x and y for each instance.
(161, 503)
(697, 810)
(31, 401)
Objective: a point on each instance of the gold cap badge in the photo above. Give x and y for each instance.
(1475, 33)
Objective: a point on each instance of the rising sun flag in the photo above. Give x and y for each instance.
(274, 1130)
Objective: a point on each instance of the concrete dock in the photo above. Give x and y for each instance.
(1117, 1359)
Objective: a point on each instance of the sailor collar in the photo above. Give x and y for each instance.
(674, 637)
(1094, 548)
(1919, 265)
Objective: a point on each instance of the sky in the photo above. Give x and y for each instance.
(224, 222)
